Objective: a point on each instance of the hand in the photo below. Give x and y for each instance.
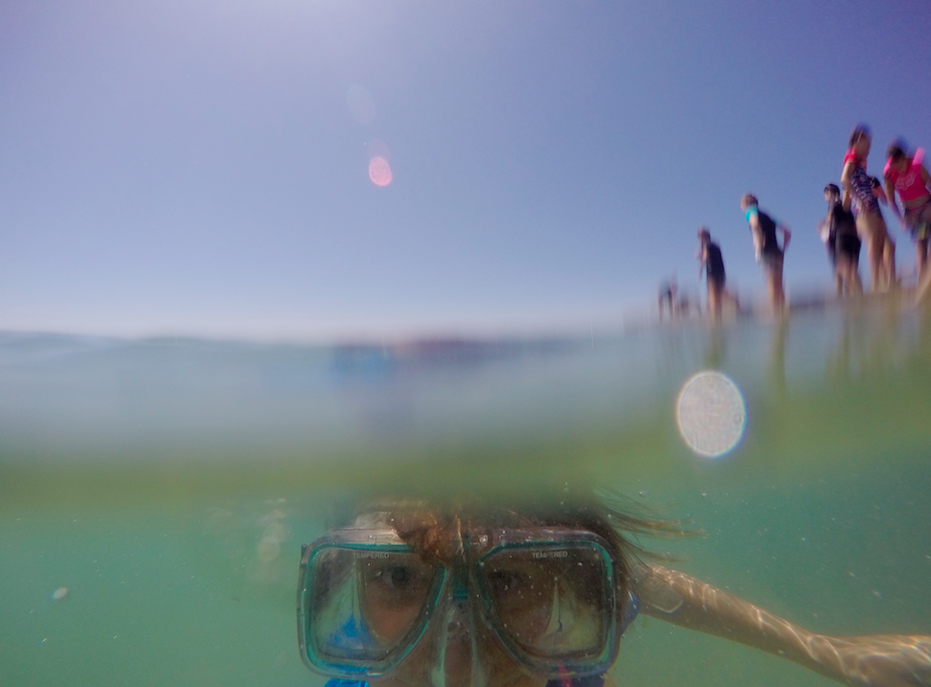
(884, 660)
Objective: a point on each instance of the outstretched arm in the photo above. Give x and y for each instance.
(874, 661)
(893, 205)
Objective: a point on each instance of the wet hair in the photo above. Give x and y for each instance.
(896, 150)
(749, 200)
(832, 189)
(859, 131)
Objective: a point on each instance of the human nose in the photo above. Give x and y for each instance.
(457, 659)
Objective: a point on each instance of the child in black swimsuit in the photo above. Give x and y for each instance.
(712, 264)
(846, 243)
(767, 249)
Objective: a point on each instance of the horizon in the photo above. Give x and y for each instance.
(330, 171)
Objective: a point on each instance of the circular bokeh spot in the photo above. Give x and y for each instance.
(379, 171)
(711, 414)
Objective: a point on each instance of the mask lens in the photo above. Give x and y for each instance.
(553, 603)
(366, 607)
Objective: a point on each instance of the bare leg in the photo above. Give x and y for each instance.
(715, 296)
(854, 285)
(924, 288)
(889, 263)
(872, 232)
(847, 271)
(777, 297)
(921, 256)
(922, 246)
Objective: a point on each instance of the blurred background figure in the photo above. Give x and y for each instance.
(860, 190)
(906, 177)
(843, 244)
(667, 299)
(826, 235)
(767, 250)
(711, 262)
(686, 304)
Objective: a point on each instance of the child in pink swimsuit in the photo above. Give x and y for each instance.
(907, 178)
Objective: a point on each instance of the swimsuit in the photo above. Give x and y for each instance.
(770, 252)
(862, 184)
(714, 265)
(918, 219)
(911, 187)
(844, 228)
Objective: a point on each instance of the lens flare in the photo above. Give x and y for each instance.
(379, 171)
(711, 414)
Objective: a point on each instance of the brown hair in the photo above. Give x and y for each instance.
(859, 131)
(896, 151)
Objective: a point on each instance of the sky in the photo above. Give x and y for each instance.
(331, 170)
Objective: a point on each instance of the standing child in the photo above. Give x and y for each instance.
(767, 249)
(858, 187)
(906, 176)
(712, 264)
(846, 243)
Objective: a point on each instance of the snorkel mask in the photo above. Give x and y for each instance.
(546, 596)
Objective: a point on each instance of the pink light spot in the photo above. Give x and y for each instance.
(379, 171)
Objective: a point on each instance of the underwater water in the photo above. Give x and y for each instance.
(154, 495)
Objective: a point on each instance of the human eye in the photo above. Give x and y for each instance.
(398, 577)
(505, 582)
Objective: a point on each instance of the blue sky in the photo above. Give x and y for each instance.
(202, 167)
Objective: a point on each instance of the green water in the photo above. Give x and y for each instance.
(168, 485)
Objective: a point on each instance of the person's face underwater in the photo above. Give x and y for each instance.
(468, 655)
(487, 608)
(457, 642)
